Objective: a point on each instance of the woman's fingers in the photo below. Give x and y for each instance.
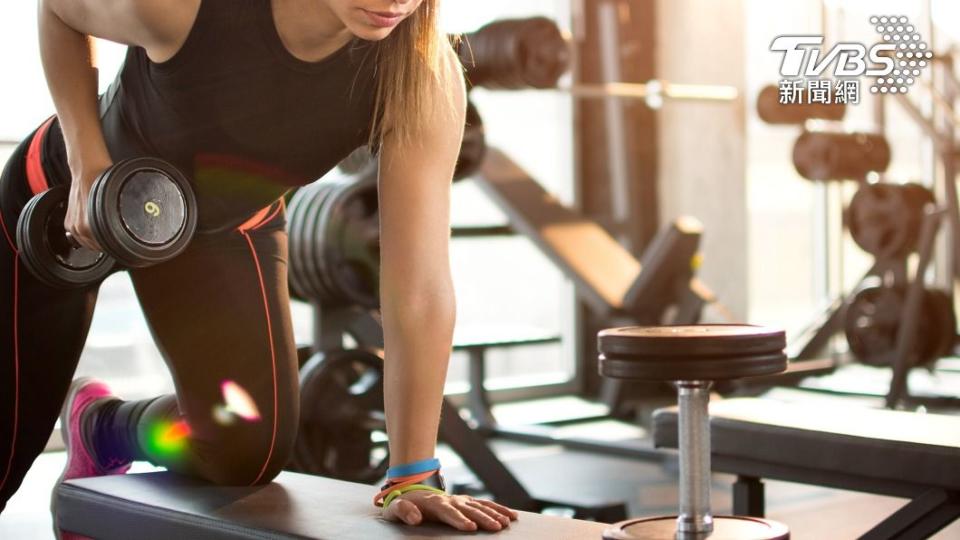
(408, 512)
(460, 512)
(404, 511)
(499, 508)
(446, 512)
(489, 513)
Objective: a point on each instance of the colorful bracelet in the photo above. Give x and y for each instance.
(431, 479)
(406, 489)
(417, 467)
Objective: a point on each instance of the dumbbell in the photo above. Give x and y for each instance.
(771, 111)
(693, 357)
(142, 211)
(831, 155)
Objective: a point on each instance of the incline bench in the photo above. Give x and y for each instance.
(161, 506)
(895, 453)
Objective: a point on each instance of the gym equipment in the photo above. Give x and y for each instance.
(772, 111)
(162, 505)
(693, 357)
(825, 155)
(474, 146)
(355, 376)
(142, 211)
(515, 53)
(342, 425)
(894, 453)
(873, 321)
(334, 237)
(884, 219)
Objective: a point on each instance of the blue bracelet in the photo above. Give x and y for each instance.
(416, 467)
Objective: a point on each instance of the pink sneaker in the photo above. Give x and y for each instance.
(80, 461)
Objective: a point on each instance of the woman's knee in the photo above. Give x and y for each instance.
(247, 460)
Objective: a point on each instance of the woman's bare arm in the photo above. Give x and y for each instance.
(66, 29)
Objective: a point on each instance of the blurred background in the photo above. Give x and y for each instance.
(776, 248)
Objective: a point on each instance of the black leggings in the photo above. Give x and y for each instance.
(218, 312)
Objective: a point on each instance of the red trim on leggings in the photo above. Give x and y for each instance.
(261, 218)
(6, 233)
(36, 177)
(16, 369)
(273, 355)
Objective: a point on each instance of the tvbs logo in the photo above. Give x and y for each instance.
(896, 61)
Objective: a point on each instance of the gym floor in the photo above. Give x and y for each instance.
(649, 489)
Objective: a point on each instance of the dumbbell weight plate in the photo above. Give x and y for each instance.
(294, 217)
(296, 229)
(142, 211)
(44, 248)
(884, 219)
(724, 528)
(341, 394)
(474, 146)
(351, 250)
(313, 235)
(873, 319)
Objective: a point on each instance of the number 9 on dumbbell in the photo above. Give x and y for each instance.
(142, 211)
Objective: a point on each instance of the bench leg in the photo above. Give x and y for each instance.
(478, 402)
(748, 497)
(922, 517)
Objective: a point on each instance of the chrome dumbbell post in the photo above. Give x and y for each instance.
(692, 358)
(694, 420)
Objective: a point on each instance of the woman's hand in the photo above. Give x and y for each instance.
(75, 223)
(459, 511)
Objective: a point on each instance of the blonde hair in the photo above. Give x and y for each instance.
(413, 65)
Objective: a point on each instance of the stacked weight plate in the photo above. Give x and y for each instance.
(334, 237)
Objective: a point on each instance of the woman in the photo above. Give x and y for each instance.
(248, 98)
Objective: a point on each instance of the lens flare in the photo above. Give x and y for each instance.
(168, 439)
(239, 402)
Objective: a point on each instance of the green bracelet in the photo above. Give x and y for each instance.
(413, 487)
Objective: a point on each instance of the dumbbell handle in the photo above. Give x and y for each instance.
(694, 442)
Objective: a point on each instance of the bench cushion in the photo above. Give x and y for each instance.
(164, 505)
(890, 446)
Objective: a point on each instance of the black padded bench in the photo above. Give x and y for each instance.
(161, 506)
(900, 454)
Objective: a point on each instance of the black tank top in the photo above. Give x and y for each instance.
(238, 113)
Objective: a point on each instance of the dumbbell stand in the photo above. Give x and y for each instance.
(694, 436)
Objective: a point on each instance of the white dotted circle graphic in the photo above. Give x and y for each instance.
(908, 47)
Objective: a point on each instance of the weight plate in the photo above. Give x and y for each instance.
(474, 146)
(691, 341)
(341, 416)
(350, 245)
(152, 208)
(313, 250)
(872, 322)
(44, 248)
(295, 243)
(153, 181)
(884, 219)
